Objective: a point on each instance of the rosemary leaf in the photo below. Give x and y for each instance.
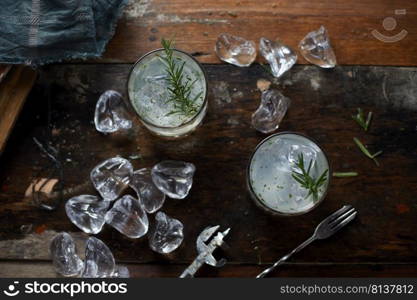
(322, 178)
(298, 179)
(306, 181)
(376, 154)
(368, 120)
(345, 174)
(366, 152)
(362, 148)
(267, 68)
(360, 119)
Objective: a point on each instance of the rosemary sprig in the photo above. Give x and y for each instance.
(360, 119)
(267, 68)
(179, 86)
(366, 151)
(306, 181)
(345, 174)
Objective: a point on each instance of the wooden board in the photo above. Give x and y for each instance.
(46, 270)
(322, 104)
(4, 70)
(196, 26)
(14, 89)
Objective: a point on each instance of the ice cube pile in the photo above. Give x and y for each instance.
(125, 213)
(315, 47)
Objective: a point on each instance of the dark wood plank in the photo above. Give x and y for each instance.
(322, 104)
(4, 70)
(197, 24)
(14, 89)
(46, 270)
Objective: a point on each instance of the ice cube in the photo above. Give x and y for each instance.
(99, 261)
(316, 48)
(111, 177)
(111, 113)
(150, 196)
(271, 111)
(87, 212)
(280, 57)
(174, 178)
(167, 234)
(294, 152)
(153, 91)
(128, 217)
(121, 272)
(64, 256)
(156, 78)
(235, 50)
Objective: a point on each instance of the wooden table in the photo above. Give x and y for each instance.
(383, 239)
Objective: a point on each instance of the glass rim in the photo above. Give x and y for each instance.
(262, 205)
(202, 107)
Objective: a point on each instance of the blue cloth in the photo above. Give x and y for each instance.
(37, 32)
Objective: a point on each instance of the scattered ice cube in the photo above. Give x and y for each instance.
(280, 57)
(64, 256)
(157, 78)
(309, 153)
(235, 50)
(121, 272)
(167, 234)
(87, 212)
(111, 113)
(316, 48)
(153, 91)
(111, 177)
(128, 217)
(174, 178)
(148, 194)
(99, 261)
(271, 111)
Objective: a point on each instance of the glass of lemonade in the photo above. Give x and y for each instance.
(148, 92)
(270, 174)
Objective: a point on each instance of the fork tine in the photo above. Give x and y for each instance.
(344, 222)
(337, 213)
(340, 218)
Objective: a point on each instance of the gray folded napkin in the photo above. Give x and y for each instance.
(37, 32)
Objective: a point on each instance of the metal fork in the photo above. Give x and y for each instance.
(325, 229)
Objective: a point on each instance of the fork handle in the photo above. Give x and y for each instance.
(286, 257)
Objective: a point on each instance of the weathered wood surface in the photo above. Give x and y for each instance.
(14, 89)
(41, 269)
(4, 70)
(196, 25)
(322, 104)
